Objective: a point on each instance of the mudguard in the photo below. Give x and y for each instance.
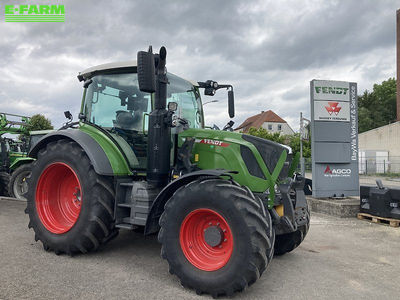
(157, 207)
(20, 161)
(96, 154)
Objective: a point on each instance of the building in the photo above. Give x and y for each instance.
(267, 120)
(379, 149)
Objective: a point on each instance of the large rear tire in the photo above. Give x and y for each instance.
(18, 185)
(4, 182)
(217, 238)
(70, 207)
(287, 242)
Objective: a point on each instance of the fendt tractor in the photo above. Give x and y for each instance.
(140, 158)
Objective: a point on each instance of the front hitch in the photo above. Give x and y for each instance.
(294, 206)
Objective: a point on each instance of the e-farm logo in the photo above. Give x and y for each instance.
(34, 13)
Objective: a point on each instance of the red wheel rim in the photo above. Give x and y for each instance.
(58, 198)
(194, 245)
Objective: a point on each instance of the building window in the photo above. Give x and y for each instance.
(279, 127)
(269, 127)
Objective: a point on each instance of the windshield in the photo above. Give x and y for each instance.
(115, 102)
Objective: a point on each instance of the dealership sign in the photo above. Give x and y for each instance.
(334, 138)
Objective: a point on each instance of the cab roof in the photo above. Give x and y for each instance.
(89, 72)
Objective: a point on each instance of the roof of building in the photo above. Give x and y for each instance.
(257, 120)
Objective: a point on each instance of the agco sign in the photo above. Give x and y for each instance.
(336, 172)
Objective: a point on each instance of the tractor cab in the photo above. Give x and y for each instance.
(114, 102)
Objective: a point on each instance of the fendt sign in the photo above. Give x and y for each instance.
(334, 138)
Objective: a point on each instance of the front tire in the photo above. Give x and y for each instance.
(18, 185)
(216, 237)
(287, 242)
(70, 207)
(4, 182)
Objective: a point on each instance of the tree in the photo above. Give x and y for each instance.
(39, 122)
(377, 108)
(36, 122)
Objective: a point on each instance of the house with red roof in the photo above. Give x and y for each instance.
(267, 120)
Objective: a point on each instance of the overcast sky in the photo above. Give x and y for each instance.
(269, 50)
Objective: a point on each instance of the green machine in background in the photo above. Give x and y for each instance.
(10, 150)
(140, 158)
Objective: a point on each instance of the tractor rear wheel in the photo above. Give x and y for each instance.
(18, 185)
(70, 207)
(217, 238)
(4, 182)
(287, 242)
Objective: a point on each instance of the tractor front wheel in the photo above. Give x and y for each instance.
(18, 185)
(287, 242)
(4, 182)
(216, 237)
(70, 207)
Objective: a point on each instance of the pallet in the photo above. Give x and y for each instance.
(379, 220)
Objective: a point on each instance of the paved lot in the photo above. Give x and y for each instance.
(340, 259)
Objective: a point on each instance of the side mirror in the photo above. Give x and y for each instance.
(68, 115)
(146, 71)
(231, 104)
(172, 106)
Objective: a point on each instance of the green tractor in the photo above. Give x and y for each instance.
(10, 150)
(20, 165)
(140, 158)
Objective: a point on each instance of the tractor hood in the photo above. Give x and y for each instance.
(269, 151)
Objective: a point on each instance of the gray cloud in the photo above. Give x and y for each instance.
(269, 50)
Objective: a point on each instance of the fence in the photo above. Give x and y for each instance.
(379, 165)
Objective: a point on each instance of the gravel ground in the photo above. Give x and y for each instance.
(339, 259)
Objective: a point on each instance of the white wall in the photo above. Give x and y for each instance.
(385, 138)
(285, 128)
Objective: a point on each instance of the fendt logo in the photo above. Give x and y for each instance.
(212, 142)
(331, 90)
(336, 172)
(333, 108)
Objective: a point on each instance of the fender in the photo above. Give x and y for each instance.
(157, 207)
(96, 154)
(21, 161)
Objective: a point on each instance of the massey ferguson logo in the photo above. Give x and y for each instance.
(336, 172)
(333, 108)
(212, 142)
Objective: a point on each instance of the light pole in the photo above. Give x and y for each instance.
(302, 135)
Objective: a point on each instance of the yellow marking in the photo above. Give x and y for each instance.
(196, 157)
(175, 176)
(279, 209)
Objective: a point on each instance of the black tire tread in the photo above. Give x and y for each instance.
(14, 175)
(4, 184)
(288, 242)
(100, 224)
(261, 234)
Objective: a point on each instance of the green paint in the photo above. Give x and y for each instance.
(226, 155)
(118, 162)
(19, 161)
